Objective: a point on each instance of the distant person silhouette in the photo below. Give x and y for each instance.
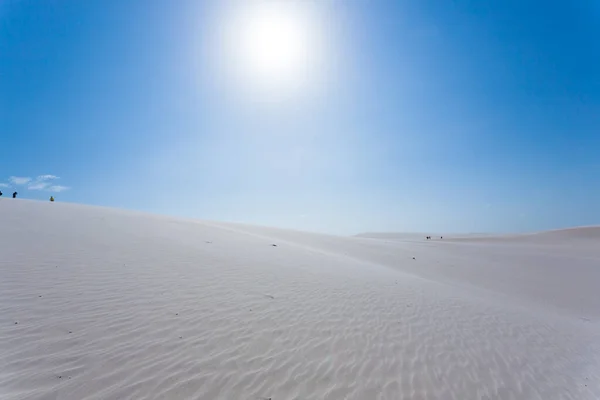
(0, 193)
(51, 198)
(14, 195)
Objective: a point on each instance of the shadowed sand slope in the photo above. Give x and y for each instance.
(107, 304)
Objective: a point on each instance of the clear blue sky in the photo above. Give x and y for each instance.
(428, 115)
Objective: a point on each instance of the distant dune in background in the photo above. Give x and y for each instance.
(97, 303)
(567, 234)
(420, 236)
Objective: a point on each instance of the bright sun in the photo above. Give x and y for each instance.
(273, 45)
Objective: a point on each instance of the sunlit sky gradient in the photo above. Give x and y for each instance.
(428, 115)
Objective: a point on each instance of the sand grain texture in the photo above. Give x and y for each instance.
(98, 303)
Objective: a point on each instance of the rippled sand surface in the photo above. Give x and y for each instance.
(98, 303)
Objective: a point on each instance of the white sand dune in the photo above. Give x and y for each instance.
(555, 237)
(98, 303)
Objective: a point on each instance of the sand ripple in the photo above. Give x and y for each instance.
(111, 305)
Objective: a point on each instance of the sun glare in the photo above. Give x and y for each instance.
(273, 45)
